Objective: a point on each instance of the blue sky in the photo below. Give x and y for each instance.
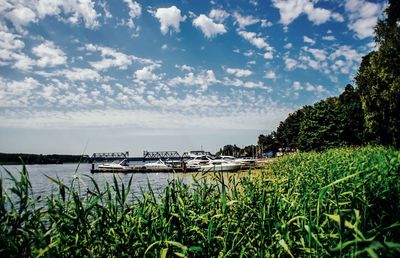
(169, 75)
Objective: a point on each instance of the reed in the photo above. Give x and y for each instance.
(342, 202)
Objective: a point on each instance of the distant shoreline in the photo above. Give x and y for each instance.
(31, 159)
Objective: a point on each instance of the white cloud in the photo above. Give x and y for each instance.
(268, 55)
(308, 40)
(21, 13)
(113, 58)
(17, 93)
(184, 68)
(270, 75)
(363, 16)
(265, 23)
(81, 74)
(319, 54)
(209, 28)
(329, 38)
(11, 47)
(20, 16)
(146, 74)
(74, 10)
(345, 59)
(238, 72)
(245, 84)
(291, 63)
(244, 21)
(218, 15)
(22, 61)
(258, 42)
(288, 45)
(248, 53)
(106, 11)
(297, 86)
(318, 89)
(49, 55)
(291, 9)
(135, 10)
(169, 18)
(202, 79)
(164, 47)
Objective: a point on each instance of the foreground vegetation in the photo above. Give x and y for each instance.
(343, 202)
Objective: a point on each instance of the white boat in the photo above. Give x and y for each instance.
(220, 165)
(206, 164)
(124, 164)
(159, 164)
(197, 162)
(246, 161)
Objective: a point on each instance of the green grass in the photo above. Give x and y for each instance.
(342, 202)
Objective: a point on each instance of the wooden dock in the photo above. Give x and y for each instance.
(141, 169)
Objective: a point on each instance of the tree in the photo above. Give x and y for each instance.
(378, 80)
(351, 117)
(287, 133)
(268, 142)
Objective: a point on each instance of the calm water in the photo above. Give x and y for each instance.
(42, 186)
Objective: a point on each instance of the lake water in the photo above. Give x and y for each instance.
(43, 186)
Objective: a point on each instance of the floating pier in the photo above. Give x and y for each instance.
(142, 169)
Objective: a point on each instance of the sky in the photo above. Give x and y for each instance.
(84, 76)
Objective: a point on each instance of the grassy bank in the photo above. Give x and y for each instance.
(343, 202)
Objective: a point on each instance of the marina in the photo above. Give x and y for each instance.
(172, 162)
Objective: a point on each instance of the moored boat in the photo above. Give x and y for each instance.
(122, 165)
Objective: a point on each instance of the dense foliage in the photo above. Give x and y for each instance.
(378, 80)
(15, 158)
(342, 202)
(333, 122)
(368, 114)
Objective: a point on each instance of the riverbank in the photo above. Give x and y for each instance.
(342, 202)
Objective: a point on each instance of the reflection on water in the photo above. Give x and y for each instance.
(43, 186)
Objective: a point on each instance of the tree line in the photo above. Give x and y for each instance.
(15, 158)
(368, 113)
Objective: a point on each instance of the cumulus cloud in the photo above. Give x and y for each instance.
(146, 74)
(22, 13)
(169, 18)
(291, 63)
(252, 37)
(113, 58)
(218, 15)
(81, 74)
(135, 10)
(20, 16)
(11, 47)
(297, 86)
(245, 84)
(329, 38)
(270, 75)
(110, 58)
(244, 21)
(345, 59)
(74, 10)
(363, 16)
(308, 40)
(238, 72)
(184, 68)
(291, 9)
(203, 79)
(49, 55)
(259, 42)
(17, 93)
(209, 28)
